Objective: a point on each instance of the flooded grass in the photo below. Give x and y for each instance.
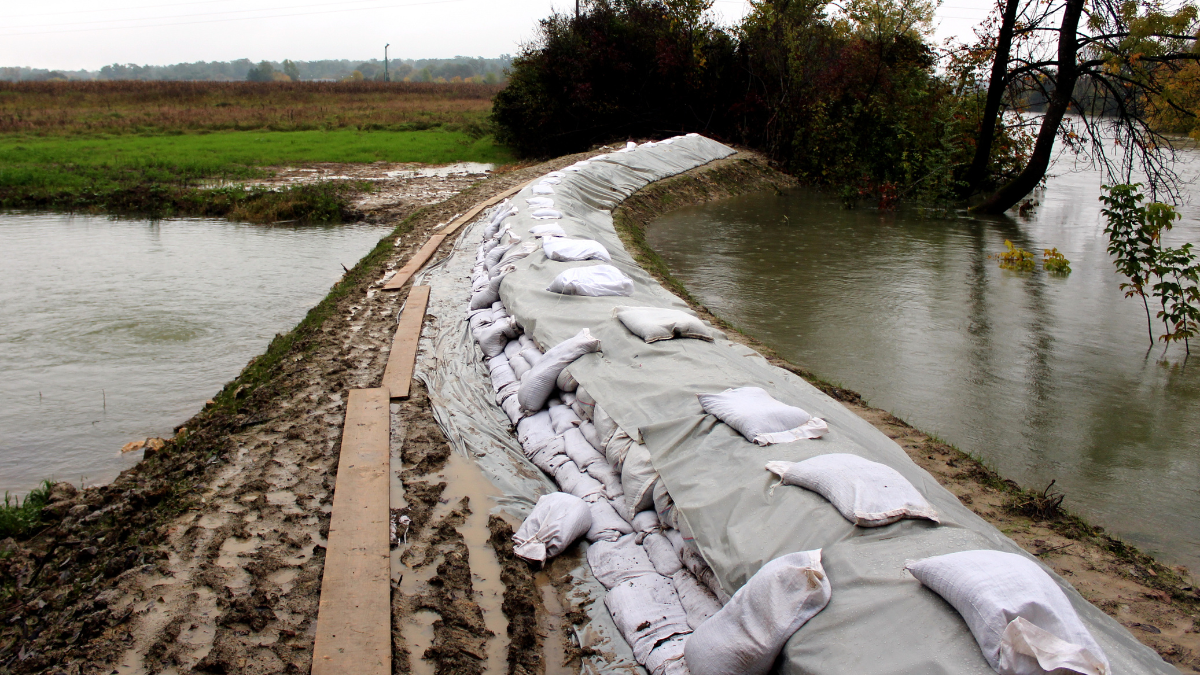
(19, 517)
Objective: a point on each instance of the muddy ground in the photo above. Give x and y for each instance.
(207, 556)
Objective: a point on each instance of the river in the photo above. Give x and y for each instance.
(116, 330)
(1046, 378)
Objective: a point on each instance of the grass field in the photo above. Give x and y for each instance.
(150, 147)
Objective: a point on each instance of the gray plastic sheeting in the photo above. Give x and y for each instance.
(880, 619)
(463, 402)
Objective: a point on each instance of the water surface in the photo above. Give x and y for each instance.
(117, 330)
(1047, 378)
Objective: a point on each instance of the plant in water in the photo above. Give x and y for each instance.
(1178, 289)
(1055, 262)
(19, 516)
(1016, 258)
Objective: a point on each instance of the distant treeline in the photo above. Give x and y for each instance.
(464, 68)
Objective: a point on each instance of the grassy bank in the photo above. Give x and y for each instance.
(156, 148)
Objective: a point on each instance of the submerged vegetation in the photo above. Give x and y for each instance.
(186, 148)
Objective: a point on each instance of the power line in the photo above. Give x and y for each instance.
(121, 9)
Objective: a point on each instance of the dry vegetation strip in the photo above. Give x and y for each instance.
(171, 107)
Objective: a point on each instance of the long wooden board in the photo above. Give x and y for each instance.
(354, 625)
(397, 377)
(465, 218)
(415, 263)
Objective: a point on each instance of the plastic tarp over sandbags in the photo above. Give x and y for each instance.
(597, 280)
(866, 493)
(563, 249)
(760, 418)
(747, 634)
(1022, 621)
(555, 523)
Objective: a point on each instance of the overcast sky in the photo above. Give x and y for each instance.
(73, 34)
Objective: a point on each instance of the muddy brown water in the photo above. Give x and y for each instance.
(114, 330)
(1046, 378)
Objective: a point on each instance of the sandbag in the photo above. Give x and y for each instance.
(528, 343)
(660, 323)
(661, 554)
(539, 202)
(587, 404)
(580, 451)
(664, 506)
(548, 230)
(611, 480)
(667, 657)
(760, 418)
(564, 419)
(512, 408)
(698, 602)
(571, 479)
(538, 383)
(519, 366)
(548, 456)
(646, 522)
(695, 563)
(488, 294)
(563, 249)
(481, 317)
(647, 611)
(866, 493)
(606, 426)
(501, 373)
(607, 524)
(595, 280)
(545, 214)
(588, 429)
(513, 254)
(1023, 622)
(507, 391)
(637, 480)
(748, 633)
(557, 520)
(565, 381)
(493, 256)
(512, 349)
(542, 188)
(535, 429)
(617, 449)
(615, 561)
(531, 355)
(494, 337)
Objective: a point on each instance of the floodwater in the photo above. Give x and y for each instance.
(118, 330)
(1046, 378)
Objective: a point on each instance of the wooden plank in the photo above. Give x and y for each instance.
(397, 377)
(354, 625)
(415, 263)
(474, 211)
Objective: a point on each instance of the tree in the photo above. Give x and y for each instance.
(291, 70)
(265, 72)
(1108, 64)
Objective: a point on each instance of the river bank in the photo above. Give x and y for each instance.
(207, 556)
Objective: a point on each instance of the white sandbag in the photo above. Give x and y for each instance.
(556, 174)
(615, 561)
(664, 506)
(492, 338)
(647, 611)
(512, 408)
(527, 342)
(660, 323)
(566, 381)
(481, 317)
(580, 451)
(538, 383)
(606, 426)
(760, 418)
(588, 430)
(571, 479)
(507, 391)
(595, 281)
(535, 429)
(557, 520)
(748, 633)
(488, 294)
(545, 214)
(866, 493)
(564, 419)
(515, 253)
(548, 230)
(697, 600)
(539, 202)
(587, 404)
(552, 180)
(493, 256)
(1023, 622)
(567, 399)
(637, 480)
(542, 188)
(607, 524)
(617, 449)
(661, 554)
(563, 249)
(512, 349)
(531, 355)
(667, 657)
(479, 283)
(501, 372)
(695, 563)
(519, 366)
(610, 479)
(548, 456)
(646, 522)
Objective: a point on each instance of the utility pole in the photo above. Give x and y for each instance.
(386, 77)
(576, 10)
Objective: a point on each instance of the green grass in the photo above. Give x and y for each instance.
(20, 516)
(163, 174)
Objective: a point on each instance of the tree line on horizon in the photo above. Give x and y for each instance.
(464, 68)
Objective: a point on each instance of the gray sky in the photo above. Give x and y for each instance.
(71, 34)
